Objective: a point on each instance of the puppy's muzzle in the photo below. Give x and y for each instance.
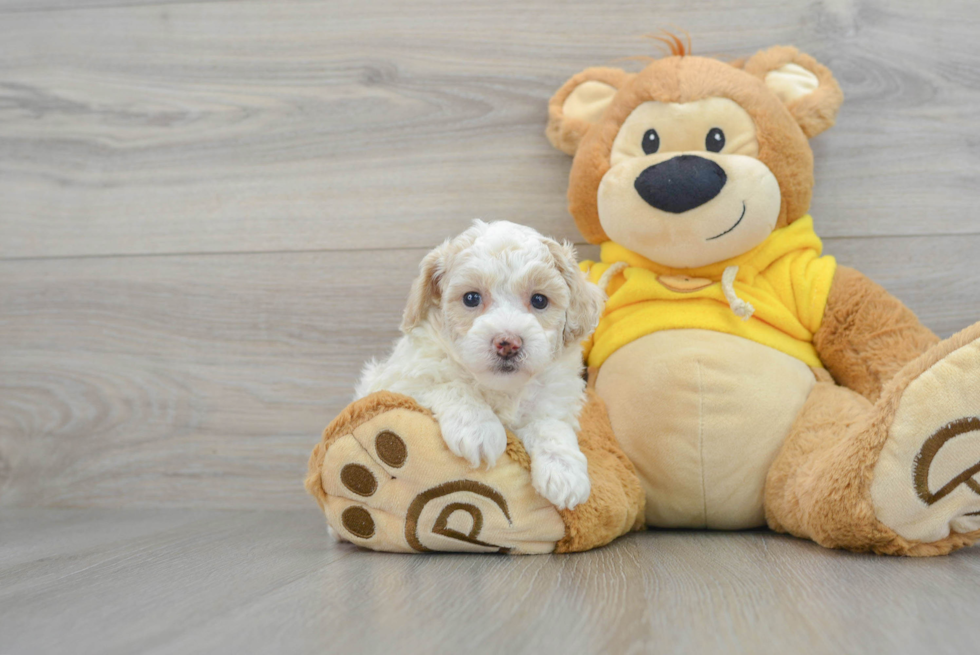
(508, 346)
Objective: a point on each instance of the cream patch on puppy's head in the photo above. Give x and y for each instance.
(505, 300)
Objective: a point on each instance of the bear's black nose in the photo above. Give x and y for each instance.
(681, 183)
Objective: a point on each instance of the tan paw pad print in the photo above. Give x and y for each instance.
(926, 480)
(391, 484)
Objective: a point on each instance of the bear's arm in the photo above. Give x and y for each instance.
(867, 335)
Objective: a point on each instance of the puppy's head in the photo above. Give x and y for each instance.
(505, 300)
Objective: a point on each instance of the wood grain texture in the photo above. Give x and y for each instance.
(135, 127)
(182, 581)
(210, 212)
(204, 380)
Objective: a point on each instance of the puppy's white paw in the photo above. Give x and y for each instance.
(561, 476)
(473, 439)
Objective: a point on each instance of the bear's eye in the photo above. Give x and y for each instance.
(539, 301)
(715, 140)
(651, 142)
(471, 299)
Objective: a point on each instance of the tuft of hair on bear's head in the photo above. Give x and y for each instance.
(669, 44)
(675, 46)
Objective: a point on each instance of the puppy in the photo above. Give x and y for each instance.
(492, 340)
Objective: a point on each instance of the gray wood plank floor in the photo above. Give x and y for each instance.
(203, 581)
(210, 213)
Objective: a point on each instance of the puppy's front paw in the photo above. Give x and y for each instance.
(561, 476)
(475, 439)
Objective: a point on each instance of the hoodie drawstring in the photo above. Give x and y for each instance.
(738, 306)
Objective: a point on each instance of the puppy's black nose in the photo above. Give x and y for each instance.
(508, 346)
(681, 183)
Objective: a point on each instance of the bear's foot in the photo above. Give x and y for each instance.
(926, 483)
(386, 481)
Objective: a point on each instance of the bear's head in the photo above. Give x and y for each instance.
(693, 160)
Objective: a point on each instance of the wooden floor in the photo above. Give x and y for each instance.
(204, 581)
(210, 214)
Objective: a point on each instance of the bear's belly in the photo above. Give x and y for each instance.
(702, 415)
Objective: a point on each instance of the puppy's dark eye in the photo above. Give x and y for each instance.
(651, 142)
(538, 301)
(472, 299)
(715, 140)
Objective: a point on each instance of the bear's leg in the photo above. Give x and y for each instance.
(385, 480)
(897, 477)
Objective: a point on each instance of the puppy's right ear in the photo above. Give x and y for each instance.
(425, 289)
(580, 103)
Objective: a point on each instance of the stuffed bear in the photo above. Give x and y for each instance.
(738, 378)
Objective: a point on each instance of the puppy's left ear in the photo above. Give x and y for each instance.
(586, 300)
(425, 289)
(806, 87)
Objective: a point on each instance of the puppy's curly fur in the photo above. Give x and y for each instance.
(485, 357)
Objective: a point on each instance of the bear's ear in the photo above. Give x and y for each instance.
(579, 104)
(807, 88)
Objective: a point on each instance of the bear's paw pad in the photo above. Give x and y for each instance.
(926, 482)
(391, 484)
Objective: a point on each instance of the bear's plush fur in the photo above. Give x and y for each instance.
(739, 377)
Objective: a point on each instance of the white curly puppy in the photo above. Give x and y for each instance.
(492, 338)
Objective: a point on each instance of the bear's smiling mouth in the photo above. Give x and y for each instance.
(732, 227)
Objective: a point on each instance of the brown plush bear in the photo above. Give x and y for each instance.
(738, 377)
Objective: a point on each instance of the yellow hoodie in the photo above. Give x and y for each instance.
(784, 279)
